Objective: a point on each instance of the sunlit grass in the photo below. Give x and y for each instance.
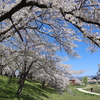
(96, 88)
(33, 91)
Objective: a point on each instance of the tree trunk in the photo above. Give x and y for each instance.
(0, 71)
(22, 80)
(9, 81)
(43, 84)
(12, 75)
(21, 85)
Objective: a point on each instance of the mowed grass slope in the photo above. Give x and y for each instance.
(33, 91)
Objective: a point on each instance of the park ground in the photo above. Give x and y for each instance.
(33, 91)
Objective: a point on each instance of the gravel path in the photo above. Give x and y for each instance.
(80, 89)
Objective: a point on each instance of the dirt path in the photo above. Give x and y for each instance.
(82, 90)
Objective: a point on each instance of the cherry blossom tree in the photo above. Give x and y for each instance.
(38, 58)
(34, 28)
(54, 73)
(32, 55)
(56, 79)
(53, 18)
(5, 58)
(77, 81)
(92, 81)
(45, 69)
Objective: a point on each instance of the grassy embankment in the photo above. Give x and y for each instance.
(33, 91)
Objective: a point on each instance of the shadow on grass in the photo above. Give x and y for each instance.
(1, 81)
(36, 91)
(48, 89)
(31, 91)
(10, 95)
(6, 93)
(27, 97)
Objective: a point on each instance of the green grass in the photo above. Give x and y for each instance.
(33, 91)
(96, 88)
(77, 96)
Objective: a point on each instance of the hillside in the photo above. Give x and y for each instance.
(33, 91)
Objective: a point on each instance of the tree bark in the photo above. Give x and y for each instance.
(21, 85)
(43, 84)
(22, 79)
(0, 71)
(12, 75)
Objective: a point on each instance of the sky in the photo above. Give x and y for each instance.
(87, 60)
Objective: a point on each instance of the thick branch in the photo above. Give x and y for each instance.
(19, 6)
(16, 29)
(80, 28)
(81, 18)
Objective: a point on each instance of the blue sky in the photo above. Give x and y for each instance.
(87, 60)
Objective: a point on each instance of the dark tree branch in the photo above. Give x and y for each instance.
(80, 28)
(16, 29)
(91, 38)
(4, 32)
(21, 5)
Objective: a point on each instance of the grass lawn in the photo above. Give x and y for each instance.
(78, 96)
(33, 91)
(96, 88)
